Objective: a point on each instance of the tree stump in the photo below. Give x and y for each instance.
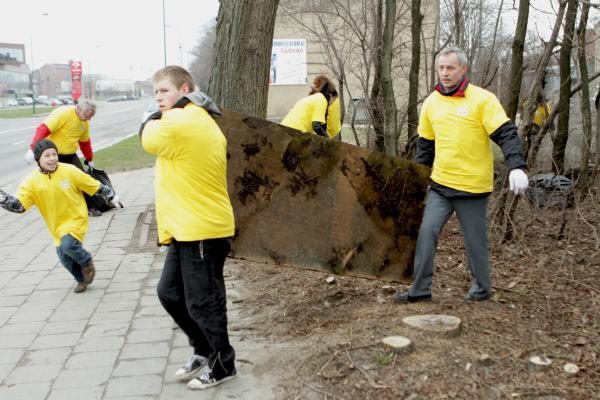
(397, 344)
(435, 325)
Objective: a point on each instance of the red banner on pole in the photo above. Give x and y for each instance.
(76, 72)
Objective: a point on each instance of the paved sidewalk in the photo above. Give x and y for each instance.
(114, 341)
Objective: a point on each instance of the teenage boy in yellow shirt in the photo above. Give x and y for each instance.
(195, 218)
(56, 190)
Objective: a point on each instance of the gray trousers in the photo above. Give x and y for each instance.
(472, 215)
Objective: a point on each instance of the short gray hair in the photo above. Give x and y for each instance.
(460, 54)
(86, 104)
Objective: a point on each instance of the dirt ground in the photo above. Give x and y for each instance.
(546, 303)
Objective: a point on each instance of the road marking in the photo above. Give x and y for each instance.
(18, 130)
(16, 143)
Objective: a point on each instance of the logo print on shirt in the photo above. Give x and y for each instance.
(462, 111)
(65, 184)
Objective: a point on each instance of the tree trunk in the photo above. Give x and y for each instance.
(376, 99)
(413, 79)
(586, 112)
(240, 75)
(511, 102)
(562, 127)
(391, 135)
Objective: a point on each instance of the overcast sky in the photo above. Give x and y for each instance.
(120, 38)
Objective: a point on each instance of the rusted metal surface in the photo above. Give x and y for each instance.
(309, 202)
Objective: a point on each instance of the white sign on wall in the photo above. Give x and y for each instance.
(288, 62)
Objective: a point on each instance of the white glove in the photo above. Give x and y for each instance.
(3, 196)
(116, 201)
(29, 157)
(90, 164)
(518, 181)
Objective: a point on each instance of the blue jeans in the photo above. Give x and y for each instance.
(73, 256)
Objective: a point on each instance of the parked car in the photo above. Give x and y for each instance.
(11, 103)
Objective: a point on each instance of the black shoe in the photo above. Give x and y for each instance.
(191, 368)
(80, 287)
(404, 297)
(208, 380)
(94, 212)
(472, 297)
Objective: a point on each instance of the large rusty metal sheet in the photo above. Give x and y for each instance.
(309, 202)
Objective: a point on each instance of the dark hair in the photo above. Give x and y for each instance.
(42, 145)
(322, 84)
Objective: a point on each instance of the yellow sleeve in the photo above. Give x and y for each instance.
(85, 183)
(319, 107)
(159, 138)
(334, 123)
(25, 194)
(55, 120)
(493, 115)
(425, 130)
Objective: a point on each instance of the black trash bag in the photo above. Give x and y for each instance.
(99, 201)
(550, 190)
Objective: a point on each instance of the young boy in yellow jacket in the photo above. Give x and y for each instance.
(195, 218)
(56, 189)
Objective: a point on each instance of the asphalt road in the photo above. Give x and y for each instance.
(113, 122)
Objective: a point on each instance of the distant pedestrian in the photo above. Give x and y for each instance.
(195, 218)
(56, 189)
(457, 122)
(68, 127)
(311, 113)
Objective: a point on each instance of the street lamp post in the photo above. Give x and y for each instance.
(164, 33)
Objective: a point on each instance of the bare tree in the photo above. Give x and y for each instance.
(376, 97)
(559, 140)
(391, 134)
(516, 64)
(240, 76)
(413, 77)
(586, 113)
(201, 65)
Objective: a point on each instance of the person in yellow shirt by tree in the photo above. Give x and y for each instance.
(56, 189)
(195, 218)
(540, 115)
(319, 112)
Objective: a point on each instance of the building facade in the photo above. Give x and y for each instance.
(14, 72)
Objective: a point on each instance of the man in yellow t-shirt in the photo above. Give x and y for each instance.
(310, 114)
(458, 121)
(195, 218)
(56, 190)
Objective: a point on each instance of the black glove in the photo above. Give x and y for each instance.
(149, 115)
(320, 129)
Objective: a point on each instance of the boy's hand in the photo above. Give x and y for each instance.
(3, 196)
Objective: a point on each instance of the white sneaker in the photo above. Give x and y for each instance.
(191, 368)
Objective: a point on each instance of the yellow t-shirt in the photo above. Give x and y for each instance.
(334, 124)
(67, 130)
(192, 202)
(461, 127)
(305, 111)
(59, 199)
(541, 114)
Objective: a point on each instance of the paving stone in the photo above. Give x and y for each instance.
(25, 327)
(29, 278)
(152, 323)
(73, 378)
(53, 328)
(117, 306)
(81, 393)
(31, 316)
(106, 358)
(46, 356)
(124, 287)
(54, 341)
(146, 366)
(151, 311)
(144, 350)
(149, 335)
(25, 391)
(99, 344)
(111, 317)
(33, 373)
(11, 356)
(134, 386)
(13, 300)
(6, 313)
(16, 341)
(16, 291)
(118, 328)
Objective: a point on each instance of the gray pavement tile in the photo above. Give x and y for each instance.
(16, 341)
(9, 290)
(152, 323)
(117, 306)
(28, 278)
(146, 366)
(5, 370)
(39, 268)
(71, 313)
(81, 393)
(180, 339)
(6, 313)
(25, 391)
(104, 358)
(11, 356)
(153, 282)
(144, 350)
(134, 386)
(110, 317)
(55, 341)
(154, 311)
(53, 328)
(179, 355)
(33, 373)
(118, 237)
(45, 356)
(6, 277)
(51, 296)
(63, 283)
(88, 344)
(123, 276)
(120, 296)
(31, 316)
(89, 377)
(114, 328)
(150, 300)
(149, 335)
(124, 287)
(26, 327)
